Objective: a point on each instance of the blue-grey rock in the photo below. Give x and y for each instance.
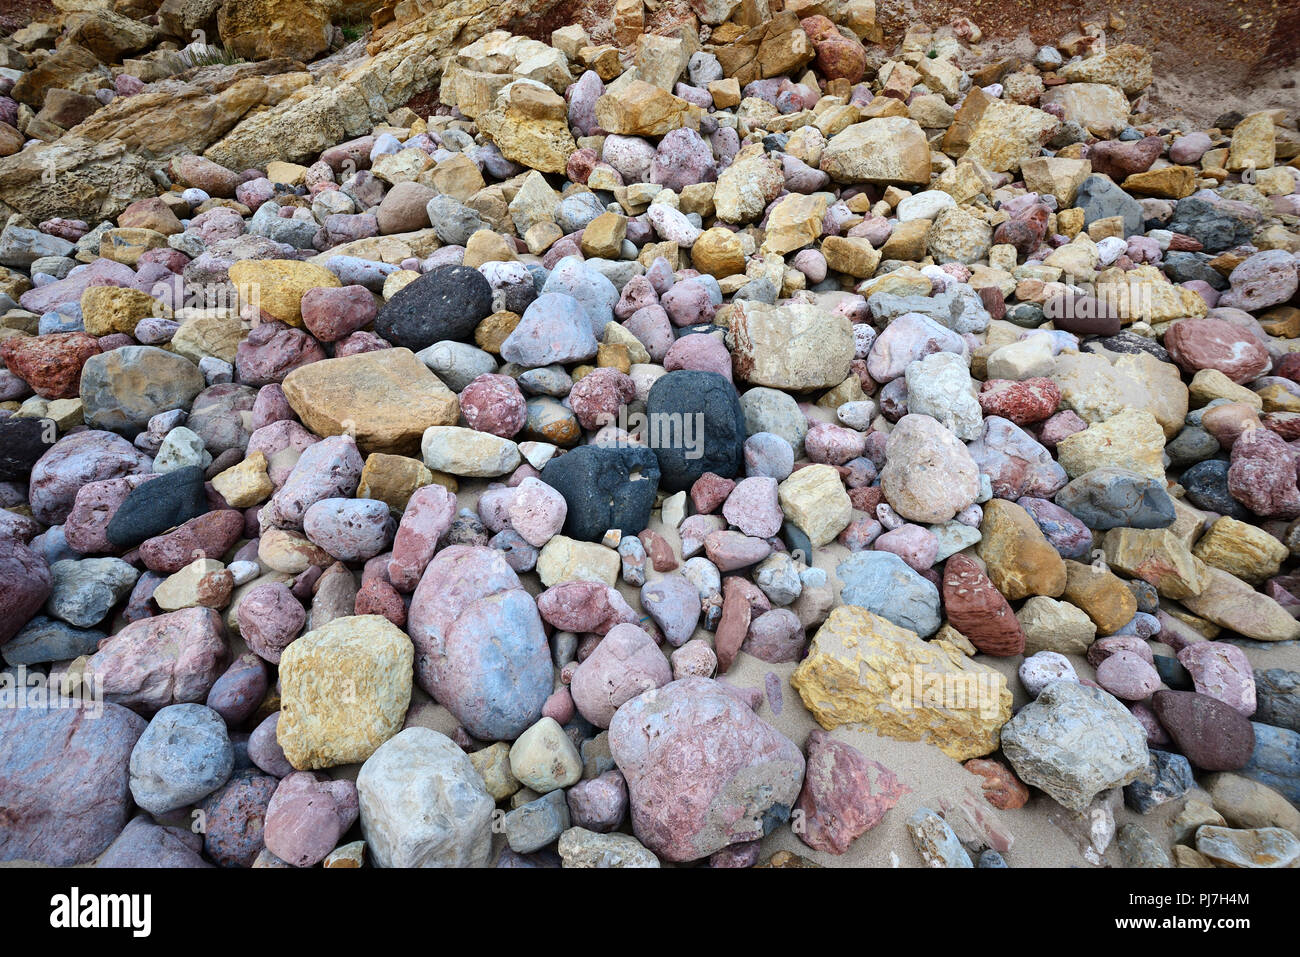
(1206, 485)
(1074, 742)
(45, 639)
(1167, 778)
(554, 329)
(532, 826)
(63, 780)
(1113, 497)
(85, 591)
(144, 843)
(1276, 760)
(184, 755)
(597, 295)
(883, 583)
(1137, 848)
(1216, 223)
(1277, 696)
(935, 841)
(1100, 198)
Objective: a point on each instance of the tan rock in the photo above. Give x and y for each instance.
(851, 255)
(344, 691)
(643, 109)
(861, 668)
(109, 309)
(204, 582)
(564, 559)
(1132, 440)
(746, 187)
(1158, 557)
(814, 499)
(386, 399)
(718, 252)
(276, 286)
(392, 479)
(1051, 625)
(1020, 561)
(1101, 594)
(1055, 175)
(797, 346)
(886, 150)
(603, 236)
(1097, 107)
(1124, 65)
(245, 484)
(795, 222)
(1253, 143)
(1240, 549)
(1008, 133)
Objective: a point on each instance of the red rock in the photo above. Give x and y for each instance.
(1103, 648)
(1285, 424)
(307, 815)
(662, 557)
(734, 550)
(94, 507)
(597, 396)
(1023, 402)
(978, 610)
(838, 57)
(830, 444)
(1206, 343)
(1122, 158)
(1262, 475)
(1025, 231)
(582, 606)
(208, 536)
(332, 312)
(378, 597)
(273, 350)
(1212, 735)
(709, 491)
(51, 364)
(775, 636)
(844, 794)
(1002, 788)
(493, 403)
(733, 626)
(866, 498)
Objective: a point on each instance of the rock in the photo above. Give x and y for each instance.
(1002, 788)
(83, 592)
(1168, 778)
(977, 610)
(234, 818)
(183, 755)
(844, 794)
(935, 841)
(306, 818)
(25, 584)
(744, 793)
(695, 425)
(1020, 560)
(1112, 497)
(495, 689)
(625, 664)
(1260, 847)
(167, 659)
(882, 583)
(604, 487)
(1075, 742)
(122, 389)
(861, 667)
(886, 150)
(168, 501)
(1212, 735)
(544, 759)
(795, 347)
(580, 847)
(928, 476)
(814, 499)
(445, 303)
(344, 691)
(422, 804)
(64, 774)
(1230, 602)
(385, 400)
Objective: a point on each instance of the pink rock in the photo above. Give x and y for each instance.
(844, 794)
(332, 312)
(307, 815)
(582, 606)
(24, 585)
(1262, 475)
(1023, 402)
(830, 444)
(264, 749)
(1060, 426)
(96, 503)
(428, 516)
(273, 350)
(733, 550)
(688, 303)
(753, 508)
(653, 329)
(270, 617)
(775, 636)
(1221, 671)
(349, 529)
(537, 511)
(917, 546)
(752, 773)
(709, 491)
(377, 597)
(597, 396)
(77, 460)
(674, 605)
(1128, 676)
(493, 403)
(701, 351)
(330, 468)
(270, 406)
(625, 664)
(168, 659)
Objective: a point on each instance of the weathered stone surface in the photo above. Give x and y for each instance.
(344, 691)
(862, 668)
(745, 791)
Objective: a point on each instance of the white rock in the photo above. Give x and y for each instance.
(923, 205)
(423, 804)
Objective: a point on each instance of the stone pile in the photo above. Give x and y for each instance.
(475, 447)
